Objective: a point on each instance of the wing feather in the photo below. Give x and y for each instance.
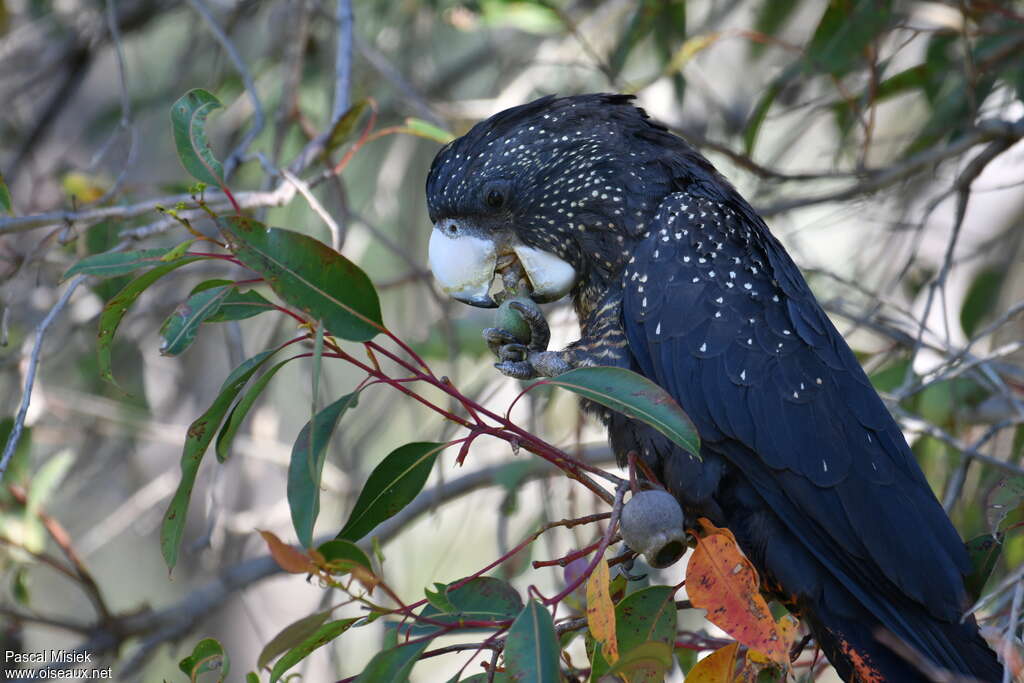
(726, 324)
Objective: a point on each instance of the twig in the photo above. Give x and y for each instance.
(315, 204)
(983, 132)
(235, 157)
(342, 60)
(30, 372)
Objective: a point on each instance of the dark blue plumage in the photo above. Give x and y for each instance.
(680, 280)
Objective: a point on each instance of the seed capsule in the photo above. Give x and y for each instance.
(652, 525)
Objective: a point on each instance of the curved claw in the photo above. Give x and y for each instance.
(497, 338)
(540, 333)
(517, 369)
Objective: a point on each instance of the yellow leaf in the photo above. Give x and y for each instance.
(601, 612)
(688, 50)
(84, 187)
(717, 667)
(724, 582)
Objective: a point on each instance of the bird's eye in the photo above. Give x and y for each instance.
(495, 199)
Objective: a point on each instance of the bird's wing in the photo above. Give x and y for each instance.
(716, 312)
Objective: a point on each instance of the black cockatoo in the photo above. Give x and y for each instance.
(673, 275)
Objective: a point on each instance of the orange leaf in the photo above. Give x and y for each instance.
(287, 558)
(724, 582)
(717, 667)
(601, 612)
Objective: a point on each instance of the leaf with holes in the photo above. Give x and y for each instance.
(208, 655)
(532, 648)
(307, 463)
(309, 275)
(188, 123)
(634, 396)
(390, 487)
(197, 439)
(724, 582)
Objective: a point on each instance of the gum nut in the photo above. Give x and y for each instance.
(652, 525)
(509, 319)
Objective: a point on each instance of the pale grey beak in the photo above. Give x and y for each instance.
(463, 261)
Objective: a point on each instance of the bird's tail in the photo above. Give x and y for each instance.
(865, 651)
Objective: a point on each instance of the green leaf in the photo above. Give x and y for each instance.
(343, 128)
(984, 553)
(318, 639)
(200, 434)
(340, 556)
(114, 311)
(846, 29)
(188, 122)
(760, 112)
(309, 275)
(113, 264)
(290, 636)
(390, 487)
(394, 664)
(499, 677)
(483, 598)
(634, 396)
(640, 25)
(770, 18)
(649, 661)
(208, 655)
(438, 599)
(686, 659)
(241, 410)
(19, 466)
(425, 129)
(46, 480)
(306, 466)
(182, 326)
(981, 299)
(6, 205)
(1005, 499)
(240, 305)
(532, 649)
(252, 677)
(646, 615)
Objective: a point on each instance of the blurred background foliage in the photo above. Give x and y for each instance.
(877, 137)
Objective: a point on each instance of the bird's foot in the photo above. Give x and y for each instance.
(530, 360)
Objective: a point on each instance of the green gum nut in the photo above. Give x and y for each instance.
(508, 319)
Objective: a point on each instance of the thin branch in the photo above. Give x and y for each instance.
(315, 204)
(250, 86)
(342, 60)
(30, 373)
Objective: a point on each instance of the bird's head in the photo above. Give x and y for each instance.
(564, 184)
